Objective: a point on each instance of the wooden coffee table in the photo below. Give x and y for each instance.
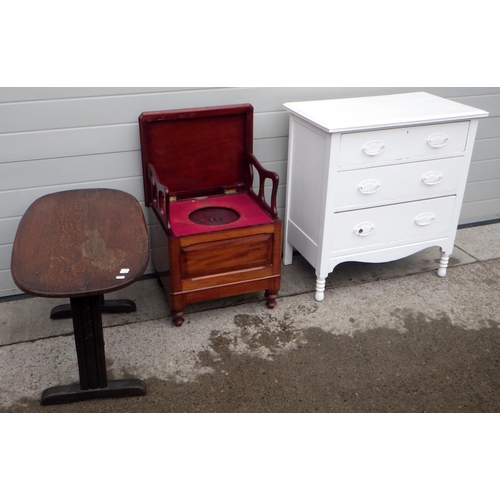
(80, 245)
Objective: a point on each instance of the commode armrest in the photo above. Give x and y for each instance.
(260, 197)
(159, 198)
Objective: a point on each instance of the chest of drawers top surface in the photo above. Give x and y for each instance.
(385, 111)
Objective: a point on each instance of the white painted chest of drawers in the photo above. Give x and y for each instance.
(375, 179)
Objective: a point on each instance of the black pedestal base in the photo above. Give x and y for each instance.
(71, 393)
(107, 307)
(89, 343)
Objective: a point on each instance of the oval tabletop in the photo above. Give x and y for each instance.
(79, 243)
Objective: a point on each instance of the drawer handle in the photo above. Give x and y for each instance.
(425, 219)
(364, 229)
(373, 148)
(431, 178)
(369, 186)
(437, 140)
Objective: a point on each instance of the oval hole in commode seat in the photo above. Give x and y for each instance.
(214, 216)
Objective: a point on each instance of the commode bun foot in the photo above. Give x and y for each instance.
(178, 317)
(271, 299)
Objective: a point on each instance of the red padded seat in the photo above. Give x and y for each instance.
(250, 214)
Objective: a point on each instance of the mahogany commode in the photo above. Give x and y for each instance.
(81, 244)
(212, 235)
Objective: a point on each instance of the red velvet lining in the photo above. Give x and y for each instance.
(251, 214)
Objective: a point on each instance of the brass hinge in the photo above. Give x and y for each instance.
(230, 191)
(172, 198)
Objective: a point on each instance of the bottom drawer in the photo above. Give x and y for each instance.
(226, 256)
(391, 224)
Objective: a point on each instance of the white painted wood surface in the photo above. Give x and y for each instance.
(385, 111)
(381, 190)
(52, 139)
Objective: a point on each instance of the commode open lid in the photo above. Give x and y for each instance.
(198, 151)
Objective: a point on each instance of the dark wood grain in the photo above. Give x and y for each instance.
(75, 243)
(89, 342)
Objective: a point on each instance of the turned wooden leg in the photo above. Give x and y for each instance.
(178, 317)
(271, 299)
(177, 304)
(443, 264)
(320, 289)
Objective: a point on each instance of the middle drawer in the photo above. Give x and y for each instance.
(397, 183)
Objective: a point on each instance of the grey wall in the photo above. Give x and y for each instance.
(53, 139)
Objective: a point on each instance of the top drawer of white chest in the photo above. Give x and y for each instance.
(388, 146)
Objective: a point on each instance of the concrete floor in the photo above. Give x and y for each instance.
(388, 337)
